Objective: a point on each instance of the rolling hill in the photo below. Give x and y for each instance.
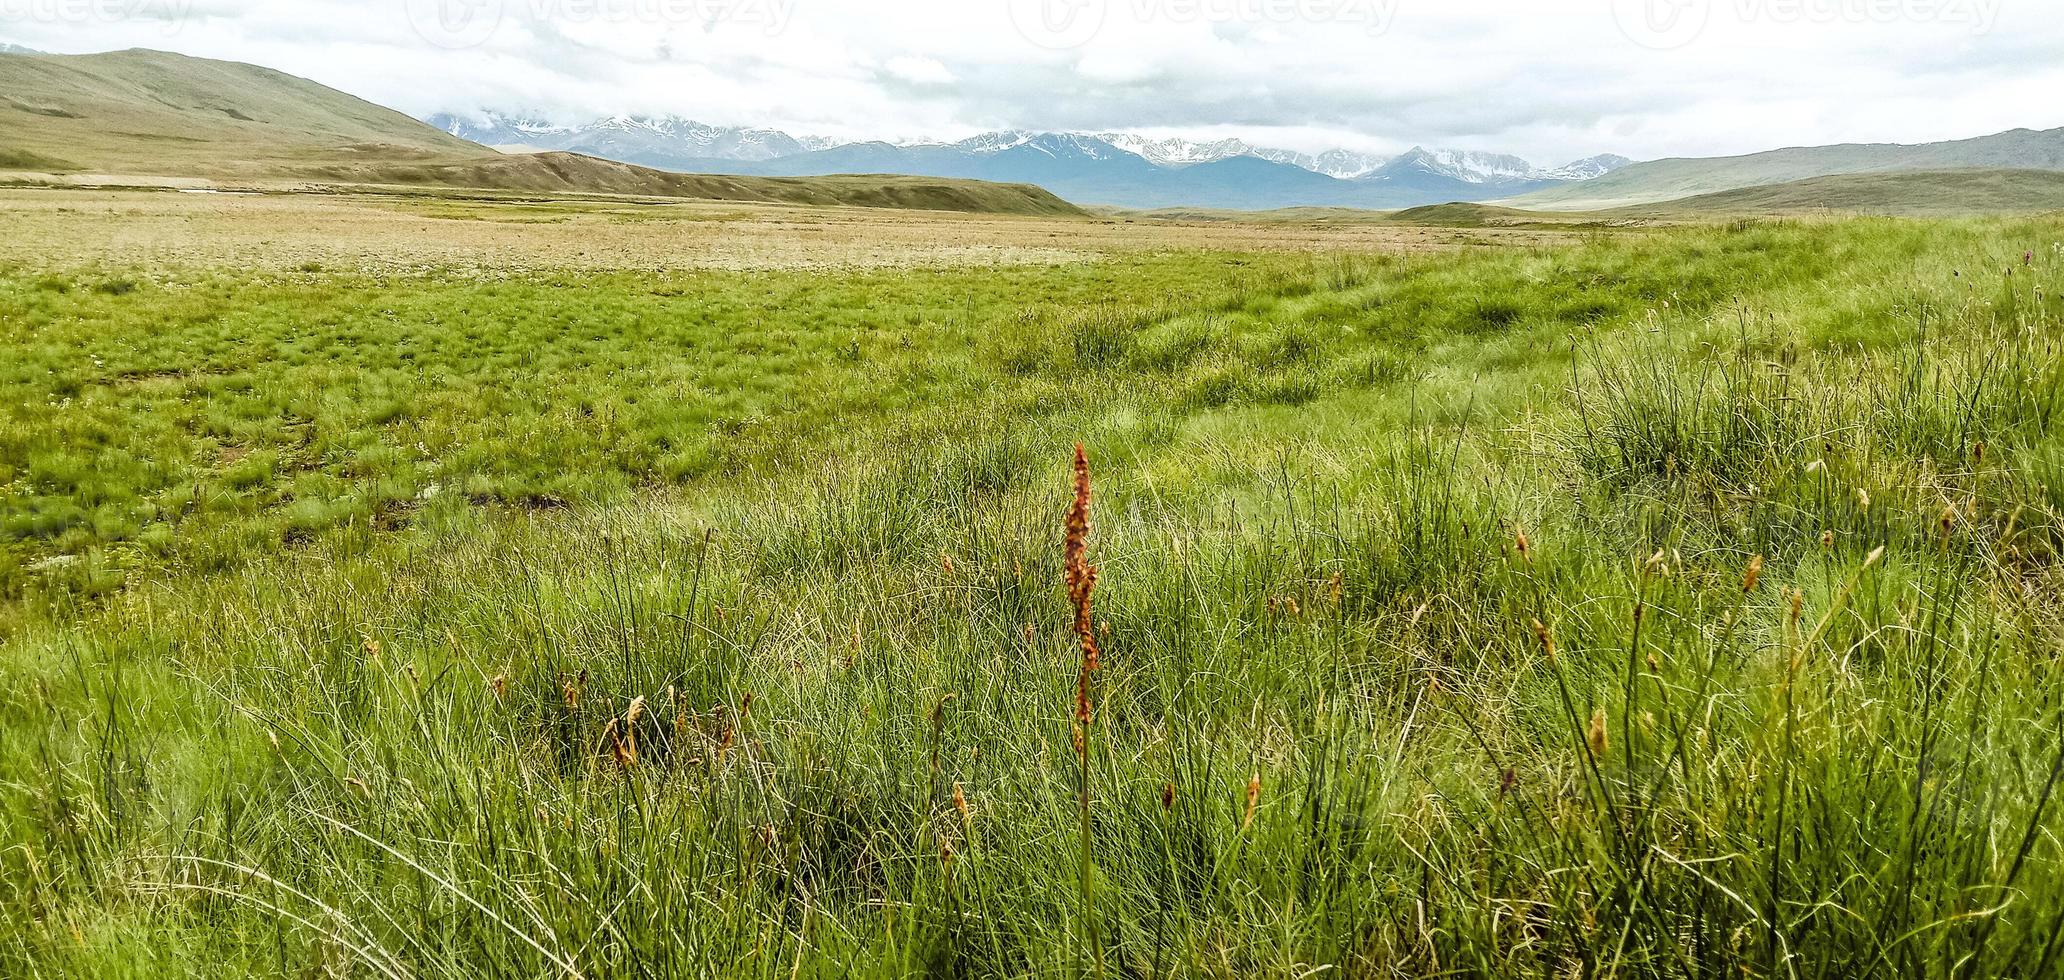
(1674, 179)
(151, 112)
(573, 173)
(1915, 193)
(154, 114)
(1905, 193)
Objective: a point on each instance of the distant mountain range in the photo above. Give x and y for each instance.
(1106, 168)
(632, 139)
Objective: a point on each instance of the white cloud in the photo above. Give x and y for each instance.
(1549, 79)
(919, 71)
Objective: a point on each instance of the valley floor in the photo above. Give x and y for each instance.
(424, 586)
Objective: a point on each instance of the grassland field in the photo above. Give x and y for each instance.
(423, 586)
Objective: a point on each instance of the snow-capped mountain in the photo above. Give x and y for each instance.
(1464, 165)
(1589, 167)
(655, 141)
(1347, 164)
(1060, 146)
(496, 130)
(1177, 152)
(1107, 168)
(1493, 168)
(6, 48)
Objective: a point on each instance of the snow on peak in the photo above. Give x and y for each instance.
(1589, 167)
(1468, 165)
(1347, 164)
(1492, 168)
(1176, 152)
(658, 137)
(1057, 145)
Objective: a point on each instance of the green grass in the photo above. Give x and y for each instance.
(271, 709)
(1922, 193)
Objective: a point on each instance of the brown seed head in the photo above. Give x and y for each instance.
(621, 747)
(1546, 639)
(1253, 797)
(1081, 578)
(1596, 737)
(1750, 577)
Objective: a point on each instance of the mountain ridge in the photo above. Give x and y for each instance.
(677, 141)
(1103, 168)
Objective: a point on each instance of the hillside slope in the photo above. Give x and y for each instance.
(561, 173)
(1668, 180)
(150, 113)
(1916, 193)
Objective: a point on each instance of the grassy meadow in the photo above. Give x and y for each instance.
(1638, 603)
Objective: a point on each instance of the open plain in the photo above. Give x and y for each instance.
(447, 585)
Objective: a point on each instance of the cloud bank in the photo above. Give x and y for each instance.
(1549, 79)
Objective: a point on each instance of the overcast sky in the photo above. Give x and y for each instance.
(1551, 80)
